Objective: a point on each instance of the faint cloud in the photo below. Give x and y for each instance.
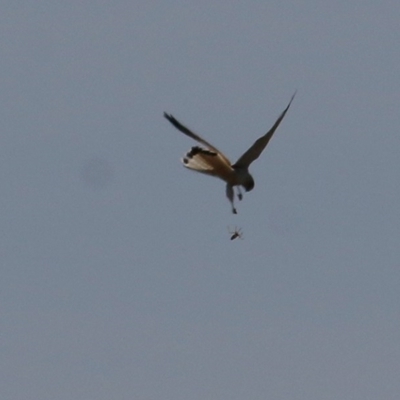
(97, 173)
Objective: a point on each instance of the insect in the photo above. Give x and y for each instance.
(236, 233)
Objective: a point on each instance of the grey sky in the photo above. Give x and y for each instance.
(118, 278)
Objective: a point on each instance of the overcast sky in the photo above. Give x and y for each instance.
(118, 278)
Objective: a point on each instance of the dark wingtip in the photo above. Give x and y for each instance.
(285, 110)
(172, 120)
(291, 99)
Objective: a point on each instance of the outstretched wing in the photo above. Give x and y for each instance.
(191, 134)
(259, 145)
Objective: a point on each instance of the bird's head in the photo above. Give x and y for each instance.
(249, 183)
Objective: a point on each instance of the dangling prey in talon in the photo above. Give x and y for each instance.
(211, 161)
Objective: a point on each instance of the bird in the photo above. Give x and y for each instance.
(210, 161)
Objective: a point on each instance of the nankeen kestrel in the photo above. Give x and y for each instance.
(213, 162)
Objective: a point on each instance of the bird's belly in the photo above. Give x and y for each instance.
(239, 177)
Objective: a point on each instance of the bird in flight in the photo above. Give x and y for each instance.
(211, 161)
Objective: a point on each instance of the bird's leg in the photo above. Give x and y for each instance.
(239, 193)
(230, 195)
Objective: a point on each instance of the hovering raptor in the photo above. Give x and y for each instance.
(213, 162)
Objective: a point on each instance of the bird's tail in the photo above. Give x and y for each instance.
(200, 160)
